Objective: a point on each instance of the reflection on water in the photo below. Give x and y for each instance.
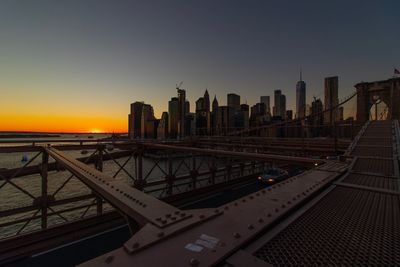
(12, 197)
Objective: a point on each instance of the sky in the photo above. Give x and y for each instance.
(76, 65)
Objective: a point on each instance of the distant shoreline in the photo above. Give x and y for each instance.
(28, 135)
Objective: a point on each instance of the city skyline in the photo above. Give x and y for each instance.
(76, 67)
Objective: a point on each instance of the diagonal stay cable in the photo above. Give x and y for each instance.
(87, 208)
(72, 175)
(16, 186)
(116, 162)
(161, 169)
(123, 166)
(8, 179)
(57, 213)
(152, 168)
(179, 166)
(27, 222)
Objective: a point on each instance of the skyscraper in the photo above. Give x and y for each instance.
(331, 99)
(280, 104)
(234, 101)
(173, 117)
(148, 121)
(134, 123)
(206, 101)
(317, 117)
(162, 129)
(214, 114)
(283, 106)
(182, 109)
(266, 101)
(277, 103)
(300, 98)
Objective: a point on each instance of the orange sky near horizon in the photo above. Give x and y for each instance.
(61, 124)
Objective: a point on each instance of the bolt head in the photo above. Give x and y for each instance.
(194, 262)
(109, 258)
(160, 234)
(236, 235)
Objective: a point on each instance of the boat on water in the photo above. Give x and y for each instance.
(24, 158)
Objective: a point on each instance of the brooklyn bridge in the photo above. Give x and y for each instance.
(203, 201)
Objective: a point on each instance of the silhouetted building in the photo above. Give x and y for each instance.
(242, 117)
(183, 107)
(267, 103)
(187, 107)
(316, 117)
(134, 120)
(224, 119)
(206, 101)
(331, 99)
(162, 129)
(173, 117)
(201, 117)
(300, 98)
(190, 124)
(258, 115)
(234, 101)
(280, 104)
(289, 115)
(214, 114)
(148, 123)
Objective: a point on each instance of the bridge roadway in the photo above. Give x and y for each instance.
(353, 222)
(339, 213)
(178, 236)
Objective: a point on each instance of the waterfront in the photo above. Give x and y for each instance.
(11, 197)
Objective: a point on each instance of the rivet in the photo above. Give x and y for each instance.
(168, 215)
(183, 214)
(216, 211)
(109, 258)
(235, 204)
(194, 262)
(250, 227)
(226, 208)
(236, 235)
(251, 197)
(269, 215)
(176, 212)
(260, 220)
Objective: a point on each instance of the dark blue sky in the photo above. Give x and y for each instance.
(98, 56)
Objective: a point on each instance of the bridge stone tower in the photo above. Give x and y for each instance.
(387, 91)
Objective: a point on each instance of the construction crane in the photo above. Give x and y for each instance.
(178, 86)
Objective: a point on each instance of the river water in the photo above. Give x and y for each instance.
(12, 197)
